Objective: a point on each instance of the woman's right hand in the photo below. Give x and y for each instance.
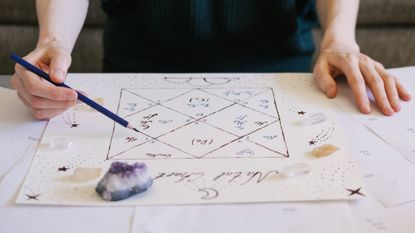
(43, 99)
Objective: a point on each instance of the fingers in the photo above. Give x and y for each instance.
(391, 87)
(41, 114)
(361, 71)
(44, 99)
(403, 93)
(36, 86)
(59, 64)
(324, 79)
(378, 87)
(37, 102)
(399, 90)
(357, 84)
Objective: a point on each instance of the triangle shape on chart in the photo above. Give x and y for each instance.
(152, 150)
(159, 95)
(131, 103)
(263, 102)
(243, 149)
(157, 121)
(197, 103)
(234, 94)
(270, 137)
(123, 139)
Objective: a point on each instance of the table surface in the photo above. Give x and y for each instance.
(5, 81)
(47, 219)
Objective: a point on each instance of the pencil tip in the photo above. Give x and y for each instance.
(136, 130)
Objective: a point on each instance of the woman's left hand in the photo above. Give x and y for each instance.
(361, 71)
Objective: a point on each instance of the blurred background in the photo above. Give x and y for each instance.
(385, 31)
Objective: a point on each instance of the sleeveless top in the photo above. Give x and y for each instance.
(208, 35)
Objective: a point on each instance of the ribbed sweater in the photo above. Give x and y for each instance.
(208, 35)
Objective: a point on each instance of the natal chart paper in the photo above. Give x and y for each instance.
(206, 138)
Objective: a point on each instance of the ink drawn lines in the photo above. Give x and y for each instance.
(202, 81)
(70, 118)
(202, 120)
(241, 103)
(197, 156)
(205, 90)
(154, 103)
(323, 135)
(31, 195)
(245, 137)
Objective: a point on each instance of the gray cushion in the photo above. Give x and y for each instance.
(23, 12)
(386, 12)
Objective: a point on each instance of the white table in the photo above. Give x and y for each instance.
(367, 216)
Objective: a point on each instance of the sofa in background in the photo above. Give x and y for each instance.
(385, 31)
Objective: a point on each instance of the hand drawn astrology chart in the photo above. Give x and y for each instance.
(205, 138)
(210, 122)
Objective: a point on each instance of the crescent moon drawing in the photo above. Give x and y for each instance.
(219, 81)
(177, 80)
(201, 82)
(209, 193)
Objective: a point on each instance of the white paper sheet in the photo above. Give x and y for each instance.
(387, 174)
(322, 217)
(206, 138)
(372, 217)
(17, 130)
(399, 130)
(383, 154)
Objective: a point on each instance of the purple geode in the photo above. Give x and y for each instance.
(123, 180)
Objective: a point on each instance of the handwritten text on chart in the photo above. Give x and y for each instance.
(232, 177)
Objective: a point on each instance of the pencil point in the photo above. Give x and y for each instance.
(136, 130)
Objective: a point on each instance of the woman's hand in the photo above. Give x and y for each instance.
(361, 71)
(43, 99)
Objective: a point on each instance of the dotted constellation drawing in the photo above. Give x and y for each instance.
(196, 123)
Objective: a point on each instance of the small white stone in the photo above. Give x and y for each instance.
(298, 169)
(314, 119)
(59, 143)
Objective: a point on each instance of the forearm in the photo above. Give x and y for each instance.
(61, 20)
(338, 21)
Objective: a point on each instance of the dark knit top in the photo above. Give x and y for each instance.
(208, 35)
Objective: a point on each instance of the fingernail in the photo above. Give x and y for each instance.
(330, 92)
(387, 109)
(71, 96)
(366, 108)
(397, 107)
(408, 97)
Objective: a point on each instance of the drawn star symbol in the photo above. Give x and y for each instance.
(353, 192)
(62, 169)
(32, 196)
(312, 142)
(301, 113)
(74, 125)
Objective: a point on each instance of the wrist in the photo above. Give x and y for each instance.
(49, 40)
(337, 34)
(332, 40)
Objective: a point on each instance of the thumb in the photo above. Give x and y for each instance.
(325, 80)
(59, 65)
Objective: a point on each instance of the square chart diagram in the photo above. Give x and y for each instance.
(198, 123)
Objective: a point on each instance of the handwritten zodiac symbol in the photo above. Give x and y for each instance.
(202, 141)
(130, 139)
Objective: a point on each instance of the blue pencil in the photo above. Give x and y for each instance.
(81, 97)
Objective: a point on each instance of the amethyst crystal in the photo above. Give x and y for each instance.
(123, 180)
